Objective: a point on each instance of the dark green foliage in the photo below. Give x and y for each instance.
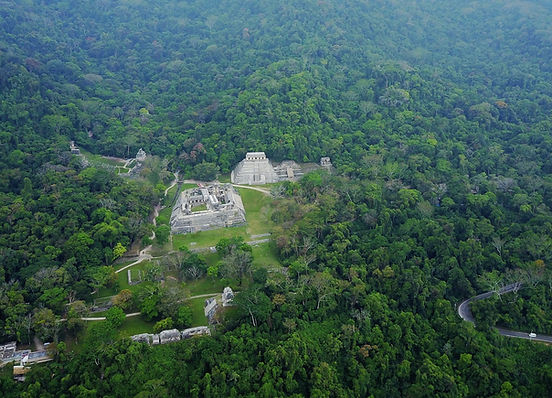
(527, 310)
(183, 318)
(437, 116)
(115, 317)
(163, 324)
(205, 171)
(162, 234)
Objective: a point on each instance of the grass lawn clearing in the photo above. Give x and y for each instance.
(99, 159)
(122, 277)
(264, 255)
(168, 200)
(258, 210)
(198, 316)
(122, 170)
(164, 216)
(187, 186)
(135, 325)
(203, 286)
(160, 250)
(207, 238)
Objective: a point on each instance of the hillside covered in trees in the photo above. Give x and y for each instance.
(437, 118)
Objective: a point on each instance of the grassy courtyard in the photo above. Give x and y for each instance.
(264, 255)
(207, 238)
(203, 286)
(198, 315)
(135, 325)
(258, 209)
(199, 208)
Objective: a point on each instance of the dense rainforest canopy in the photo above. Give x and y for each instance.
(436, 115)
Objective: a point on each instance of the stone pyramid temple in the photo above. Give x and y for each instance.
(255, 169)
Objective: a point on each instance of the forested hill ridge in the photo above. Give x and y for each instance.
(437, 118)
(296, 79)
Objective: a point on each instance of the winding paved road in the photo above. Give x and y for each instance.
(465, 313)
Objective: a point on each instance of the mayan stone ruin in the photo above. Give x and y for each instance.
(74, 148)
(141, 155)
(209, 207)
(170, 336)
(257, 169)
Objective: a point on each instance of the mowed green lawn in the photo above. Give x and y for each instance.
(265, 255)
(99, 159)
(122, 277)
(258, 209)
(135, 325)
(168, 200)
(164, 216)
(131, 326)
(207, 238)
(198, 316)
(203, 286)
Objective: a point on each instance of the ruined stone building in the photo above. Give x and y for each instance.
(227, 297)
(210, 309)
(141, 155)
(74, 148)
(210, 207)
(257, 169)
(325, 162)
(170, 336)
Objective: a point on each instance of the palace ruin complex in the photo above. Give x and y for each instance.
(209, 207)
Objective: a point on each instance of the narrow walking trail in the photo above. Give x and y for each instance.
(175, 181)
(144, 253)
(263, 190)
(102, 318)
